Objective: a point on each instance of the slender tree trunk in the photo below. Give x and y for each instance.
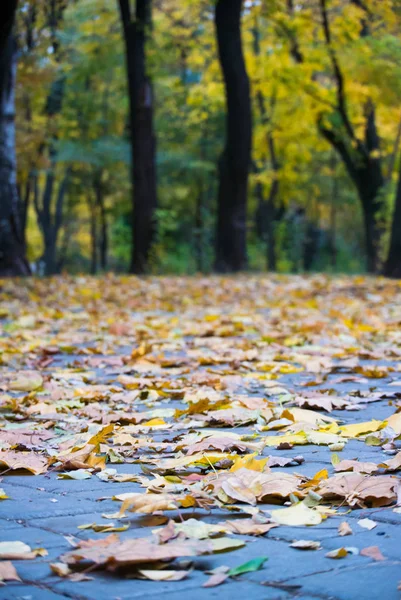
(94, 242)
(234, 164)
(265, 222)
(392, 267)
(143, 140)
(333, 215)
(12, 250)
(370, 187)
(199, 227)
(103, 242)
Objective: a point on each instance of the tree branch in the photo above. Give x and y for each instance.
(341, 100)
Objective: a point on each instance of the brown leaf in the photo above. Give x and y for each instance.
(248, 527)
(8, 572)
(215, 580)
(344, 529)
(393, 464)
(361, 490)
(250, 486)
(27, 461)
(148, 503)
(372, 552)
(356, 466)
(134, 551)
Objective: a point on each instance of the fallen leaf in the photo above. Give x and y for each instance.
(215, 580)
(26, 381)
(163, 575)
(306, 545)
(252, 565)
(344, 529)
(79, 474)
(15, 551)
(372, 552)
(367, 524)
(338, 553)
(296, 516)
(356, 466)
(26, 461)
(133, 551)
(8, 572)
(358, 489)
(248, 527)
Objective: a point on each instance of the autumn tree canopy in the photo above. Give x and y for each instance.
(165, 136)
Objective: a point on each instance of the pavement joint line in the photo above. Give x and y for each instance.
(346, 568)
(49, 588)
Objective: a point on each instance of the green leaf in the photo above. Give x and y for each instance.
(252, 565)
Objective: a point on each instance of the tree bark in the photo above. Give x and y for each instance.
(234, 164)
(143, 140)
(12, 249)
(103, 241)
(392, 267)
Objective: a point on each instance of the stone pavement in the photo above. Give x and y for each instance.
(42, 510)
(274, 319)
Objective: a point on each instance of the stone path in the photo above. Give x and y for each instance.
(43, 511)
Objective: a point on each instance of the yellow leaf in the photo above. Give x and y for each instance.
(356, 429)
(249, 462)
(296, 516)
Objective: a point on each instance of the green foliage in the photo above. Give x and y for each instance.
(89, 134)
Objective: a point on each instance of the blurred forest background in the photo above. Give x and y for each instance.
(317, 189)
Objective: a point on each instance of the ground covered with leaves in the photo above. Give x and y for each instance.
(172, 435)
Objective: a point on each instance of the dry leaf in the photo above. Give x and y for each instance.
(357, 489)
(248, 527)
(306, 545)
(215, 580)
(367, 524)
(163, 575)
(15, 551)
(344, 529)
(27, 461)
(372, 552)
(148, 503)
(133, 551)
(8, 572)
(356, 466)
(296, 516)
(338, 553)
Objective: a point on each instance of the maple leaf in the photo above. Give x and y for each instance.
(133, 551)
(357, 489)
(27, 461)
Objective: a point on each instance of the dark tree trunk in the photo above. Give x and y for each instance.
(103, 242)
(143, 141)
(50, 224)
(392, 267)
(333, 215)
(367, 176)
(234, 164)
(266, 214)
(12, 249)
(93, 230)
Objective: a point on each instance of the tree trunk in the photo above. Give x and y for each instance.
(392, 267)
(103, 242)
(367, 176)
(370, 186)
(234, 164)
(93, 230)
(12, 250)
(265, 222)
(143, 141)
(333, 216)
